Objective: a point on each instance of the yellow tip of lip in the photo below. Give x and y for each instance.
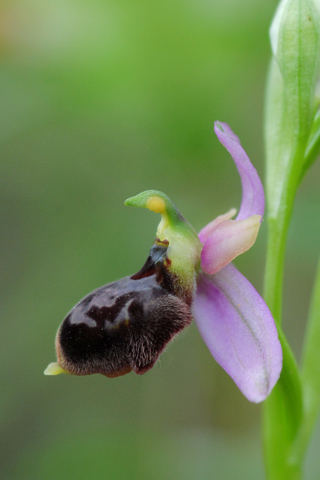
(156, 204)
(54, 369)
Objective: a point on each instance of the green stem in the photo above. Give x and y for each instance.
(277, 236)
(283, 409)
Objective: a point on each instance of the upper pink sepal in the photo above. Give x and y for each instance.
(252, 189)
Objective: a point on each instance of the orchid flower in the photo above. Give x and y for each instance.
(125, 325)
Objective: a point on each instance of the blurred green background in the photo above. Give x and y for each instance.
(100, 100)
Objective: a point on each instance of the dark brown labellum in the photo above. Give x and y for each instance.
(124, 325)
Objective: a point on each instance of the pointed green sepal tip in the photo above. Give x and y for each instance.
(54, 369)
(153, 200)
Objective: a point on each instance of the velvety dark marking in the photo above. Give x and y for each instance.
(103, 314)
(124, 325)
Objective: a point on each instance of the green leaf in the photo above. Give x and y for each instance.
(296, 48)
(294, 72)
(290, 105)
(282, 153)
(279, 140)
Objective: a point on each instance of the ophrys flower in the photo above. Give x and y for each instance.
(125, 325)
